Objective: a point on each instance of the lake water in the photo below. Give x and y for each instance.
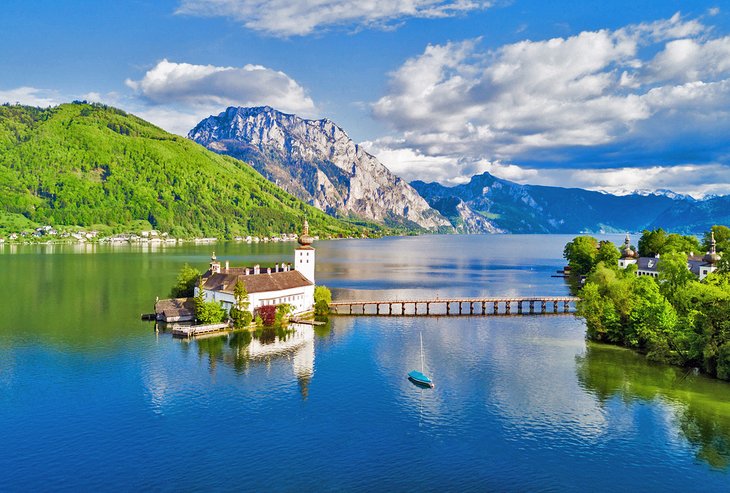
(92, 398)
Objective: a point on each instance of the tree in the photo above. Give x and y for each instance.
(322, 300)
(207, 312)
(681, 243)
(282, 313)
(239, 312)
(652, 242)
(185, 284)
(722, 239)
(674, 274)
(581, 254)
(267, 313)
(608, 254)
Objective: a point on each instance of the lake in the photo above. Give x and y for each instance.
(91, 397)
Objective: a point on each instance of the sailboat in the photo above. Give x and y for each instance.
(418, 377)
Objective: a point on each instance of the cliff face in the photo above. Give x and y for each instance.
(316, 161)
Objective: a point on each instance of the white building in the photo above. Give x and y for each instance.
(648, 266)
(266, 285)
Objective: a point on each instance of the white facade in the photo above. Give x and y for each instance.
(301, 298)
(304, 260)
(625, 262)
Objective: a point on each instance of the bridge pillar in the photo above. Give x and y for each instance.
(496, 307)
(471, 308)
(377, 308)
(532, 306)
(506, 307)
(555, 307)
(390, 308)
(350, 308)
(448, 308)
(519, 307)
(402, 308)
(484, 307)
(415, 308)
(460, 308)
(428, 308)
(566, 306)
(543, 308)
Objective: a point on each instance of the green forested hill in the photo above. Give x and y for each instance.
(80, 164)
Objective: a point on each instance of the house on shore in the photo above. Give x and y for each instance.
(274, 285)
(175, 310)
(700, 266)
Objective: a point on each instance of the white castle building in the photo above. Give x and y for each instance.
(266, 285)
(700, 266)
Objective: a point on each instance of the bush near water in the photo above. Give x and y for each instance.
(675, 318)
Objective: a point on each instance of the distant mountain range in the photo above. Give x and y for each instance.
(92, 165)
(317, 162)
(488, 204)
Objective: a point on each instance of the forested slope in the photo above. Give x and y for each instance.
(81, 164)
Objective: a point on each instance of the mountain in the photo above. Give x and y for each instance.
(488, 204)
(316, 161)
(83, 165)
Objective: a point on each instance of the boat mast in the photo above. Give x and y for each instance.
(421, 334)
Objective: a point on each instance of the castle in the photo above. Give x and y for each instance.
(266, 286)
(700, 266)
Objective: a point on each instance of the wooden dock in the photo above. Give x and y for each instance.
(458, 306)
(197, 330)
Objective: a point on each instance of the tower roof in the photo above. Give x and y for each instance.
(626, 251)
(304, 238)
(712, 256)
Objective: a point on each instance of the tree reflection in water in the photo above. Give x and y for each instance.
(701, 405)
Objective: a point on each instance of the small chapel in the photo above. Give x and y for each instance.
(273, 285)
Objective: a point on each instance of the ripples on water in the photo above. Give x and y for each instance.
(93, 399)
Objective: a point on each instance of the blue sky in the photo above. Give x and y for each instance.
(612, 96)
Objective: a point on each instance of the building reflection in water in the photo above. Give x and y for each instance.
(243, 349)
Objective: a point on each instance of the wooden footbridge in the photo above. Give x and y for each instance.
(457, 306)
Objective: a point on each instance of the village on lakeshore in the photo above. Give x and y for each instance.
(48, 234)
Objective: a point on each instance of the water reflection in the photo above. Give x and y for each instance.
(699, 413)
(265, 347)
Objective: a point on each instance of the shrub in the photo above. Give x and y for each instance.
(322, 300)
(267, 313)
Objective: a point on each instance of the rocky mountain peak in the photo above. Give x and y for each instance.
(316, 161)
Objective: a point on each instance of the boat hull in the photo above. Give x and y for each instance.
(420, 379)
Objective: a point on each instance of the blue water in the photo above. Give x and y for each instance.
(520, 403)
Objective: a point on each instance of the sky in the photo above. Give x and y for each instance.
(614, 96)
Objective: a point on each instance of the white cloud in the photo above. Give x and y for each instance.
(653, 92)
(176, 96)
(208, 85)
(302, 17)
(30, 96)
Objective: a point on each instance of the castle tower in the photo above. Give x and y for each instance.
(304, 259)
(712, 256)
(215, 266)
(628, 256)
